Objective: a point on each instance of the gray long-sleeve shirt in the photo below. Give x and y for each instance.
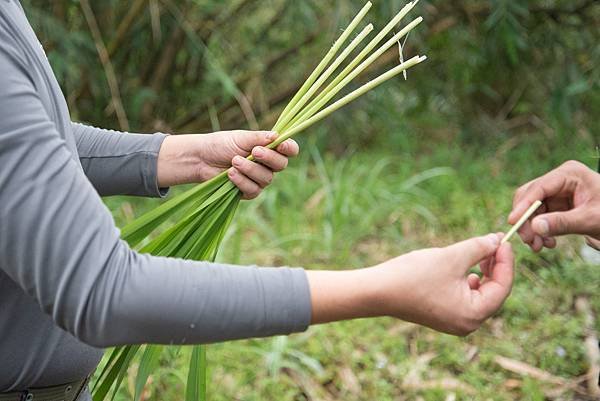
(68, 284)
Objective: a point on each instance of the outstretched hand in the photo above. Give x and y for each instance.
(433, 287)
(197, 158)
(430, 287)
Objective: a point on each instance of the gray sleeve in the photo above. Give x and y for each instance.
(59, 243)
(119, 163)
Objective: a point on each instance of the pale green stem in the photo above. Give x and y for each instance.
(370, 46)
(347, 99)
(521, 221)
(325, 61)
(328, 93)
(319, 82)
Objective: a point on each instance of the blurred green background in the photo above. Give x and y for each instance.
(508, 92)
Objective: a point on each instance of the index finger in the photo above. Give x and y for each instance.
(522, 220)
(546, 186)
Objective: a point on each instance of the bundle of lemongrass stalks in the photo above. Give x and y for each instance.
(207, 210)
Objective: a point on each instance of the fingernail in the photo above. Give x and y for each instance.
(259, 152)
(232, 172)
(543, 228)
(237, 160)
(271, 136)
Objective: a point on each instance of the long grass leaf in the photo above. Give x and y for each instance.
(114, 372)
(114, 355)
(196, 383)
(148, 364)
(129, 355)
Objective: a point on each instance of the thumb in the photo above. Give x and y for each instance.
(247, 140)
(495, 290)
(474, 250)
(560, 223)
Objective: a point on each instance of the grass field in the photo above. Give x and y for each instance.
(360, 207)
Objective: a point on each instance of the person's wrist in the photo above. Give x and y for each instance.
(341, 295)
(371, 292)
(384, 291)
(180, 161)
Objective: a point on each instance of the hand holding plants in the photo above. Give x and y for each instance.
(430, 287)
(571, 205)
(197, 158)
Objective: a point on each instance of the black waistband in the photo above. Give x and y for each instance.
(63, 392)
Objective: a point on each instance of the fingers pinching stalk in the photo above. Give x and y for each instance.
(522, 220)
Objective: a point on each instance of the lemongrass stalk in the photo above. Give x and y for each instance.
(521, 221)
(346, 99)
(371, 45)
(321, 80)
(325, 61)
(328, 93)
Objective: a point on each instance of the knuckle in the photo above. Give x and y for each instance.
(523, 237)
(280, 165)
(265, 181)
(244, 165)
(254, 193)
(464, 330)
(571, 165)
(520, 194)
(594, 215)
(561, 222)
(468, 326)
(481, 245)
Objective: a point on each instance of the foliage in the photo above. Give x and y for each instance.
(391, 212)
(182, 66)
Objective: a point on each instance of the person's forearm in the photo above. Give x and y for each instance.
(59, 244)
(342, 295)
(119, 163)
